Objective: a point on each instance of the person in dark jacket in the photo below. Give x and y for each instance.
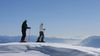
(23, 30)
(41, 34)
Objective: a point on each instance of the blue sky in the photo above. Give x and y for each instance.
(62, 18)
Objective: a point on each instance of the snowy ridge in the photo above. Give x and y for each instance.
(92, 41)
(46, 49)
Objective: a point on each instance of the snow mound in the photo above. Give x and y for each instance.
(93, 41)
(46, 49)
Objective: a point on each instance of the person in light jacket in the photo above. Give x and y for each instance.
(41, 34)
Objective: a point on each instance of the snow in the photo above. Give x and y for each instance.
(46, 49)
(93, 41)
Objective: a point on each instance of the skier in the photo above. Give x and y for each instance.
(41, 34)
(23, 30)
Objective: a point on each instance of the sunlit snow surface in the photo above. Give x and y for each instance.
(46, 49)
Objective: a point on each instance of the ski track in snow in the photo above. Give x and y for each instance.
(46, 49)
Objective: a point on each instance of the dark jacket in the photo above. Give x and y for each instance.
(24, 26)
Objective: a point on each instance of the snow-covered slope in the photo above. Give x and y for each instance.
(93, 41)
(46, 49)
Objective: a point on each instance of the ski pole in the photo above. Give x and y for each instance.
(29, 34)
